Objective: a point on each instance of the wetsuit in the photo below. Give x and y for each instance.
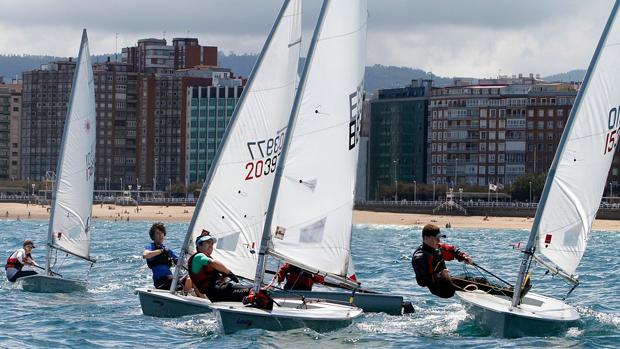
(15, 263)
(428, 263)
(211, 282)
(160, 266)
(297, 279)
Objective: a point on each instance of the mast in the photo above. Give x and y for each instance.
(266, 238)
(223, 144)
(530, 248)
(63, 144)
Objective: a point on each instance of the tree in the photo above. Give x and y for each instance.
(521, 187)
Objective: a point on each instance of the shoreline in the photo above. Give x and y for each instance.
(180, 214)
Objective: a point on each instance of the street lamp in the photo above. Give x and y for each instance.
(611, 193)
(415, 192)
(456, 178)
(433, 190)
(461, 194)
(122, 188)
(530, 192)
(33, 185)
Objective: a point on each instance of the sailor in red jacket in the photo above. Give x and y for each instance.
(18, 259)
(297, 278)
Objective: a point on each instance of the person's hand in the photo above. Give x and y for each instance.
(445, 274)
(233, 277)
(467, 258)
(165, 252)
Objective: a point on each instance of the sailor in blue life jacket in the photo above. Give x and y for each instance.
(211, 278)
(160, 259)
(18, 259)
(429, 259)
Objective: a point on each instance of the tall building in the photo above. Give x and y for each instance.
(398, 136)
(5, 113)
(210, 109)
(155, 56)
(45, 96)
(15, 116)
(116, 96)
(495, 130)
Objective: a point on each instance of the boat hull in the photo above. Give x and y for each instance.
(162, 303)
(319, 316)
(51, 284)
(537, 315)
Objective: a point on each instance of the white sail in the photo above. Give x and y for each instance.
(583, 159)
(233, 203)
(312, 216)
(73, 194)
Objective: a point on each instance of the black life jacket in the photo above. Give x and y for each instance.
(160, 259)
(205, 278)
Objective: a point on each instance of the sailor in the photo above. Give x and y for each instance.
(211, 278)
(429, 265)
(18, 259)
(160, 258)
(297, 279)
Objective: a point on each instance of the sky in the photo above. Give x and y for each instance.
(478, 38)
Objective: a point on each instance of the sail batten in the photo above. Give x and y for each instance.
(73, 195)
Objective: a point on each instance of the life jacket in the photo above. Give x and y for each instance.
(450, 252)
(160, 259)
(205, 278)
(13, 262)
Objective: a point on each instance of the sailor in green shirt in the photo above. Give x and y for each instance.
(211, 277)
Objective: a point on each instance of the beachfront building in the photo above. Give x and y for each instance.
(398, 137)
(45, 96)
(5, 112)
(492, 131)
(155, 56)
(14, 92)
(209, 111)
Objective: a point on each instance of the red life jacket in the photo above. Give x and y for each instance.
(205, 278)
(13, 262)
(296, 278)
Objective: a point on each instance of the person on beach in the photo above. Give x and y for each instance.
(211, 278)
(18, 260)
(160, 258)
(297, 278)
(429, 265)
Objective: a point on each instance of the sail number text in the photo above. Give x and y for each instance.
(611, 138)
(264, 154)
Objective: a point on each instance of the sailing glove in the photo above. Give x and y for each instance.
(233, 277)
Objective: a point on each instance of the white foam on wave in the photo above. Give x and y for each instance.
(605, 318)
(202, 325)
(439, 320)
(107, 288)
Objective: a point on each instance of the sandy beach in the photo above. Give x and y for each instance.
(184, 214)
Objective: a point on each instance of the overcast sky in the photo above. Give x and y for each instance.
(481, 38)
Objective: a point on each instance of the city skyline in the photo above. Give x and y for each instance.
(450, 38)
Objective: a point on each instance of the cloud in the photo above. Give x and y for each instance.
(451, 37)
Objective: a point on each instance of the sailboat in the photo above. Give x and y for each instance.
(235, 196)
(569, 202)
(72, 199)
(308, 221)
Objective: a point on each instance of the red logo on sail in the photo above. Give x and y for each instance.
(547, 240)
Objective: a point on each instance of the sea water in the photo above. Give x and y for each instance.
(109, 315)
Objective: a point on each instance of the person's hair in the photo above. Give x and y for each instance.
(430, 230)
(157, 226)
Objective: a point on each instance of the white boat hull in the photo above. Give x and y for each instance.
(162, 303)
(51, 284)
(320, 316)
(537, 315)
